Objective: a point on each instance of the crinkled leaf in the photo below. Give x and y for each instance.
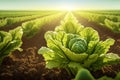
(91, 47)
(103, 46)
(111, 57)
(53, 42)
(89, 34)
(53, 59)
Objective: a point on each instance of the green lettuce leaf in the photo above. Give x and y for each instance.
(10, 41)
(89, 34)
(103, 46)
(53, 60)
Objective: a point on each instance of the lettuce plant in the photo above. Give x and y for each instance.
(77, 50)
(10, 41)
(70, 25)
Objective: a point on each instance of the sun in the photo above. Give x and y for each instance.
(68, 7)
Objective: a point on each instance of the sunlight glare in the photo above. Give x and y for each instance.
(68, 7)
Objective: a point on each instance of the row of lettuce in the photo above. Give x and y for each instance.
(30, 28)
(20, 13)
(15, 19)
(111, 21)
(78, 49)
(106, 12)
(12, 40)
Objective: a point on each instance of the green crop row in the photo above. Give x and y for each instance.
(30, 28)
(12, 20)
(110, 21)
(11, 14)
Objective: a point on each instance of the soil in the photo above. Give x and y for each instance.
(29, 65)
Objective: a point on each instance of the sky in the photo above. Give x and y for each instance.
(58, 4)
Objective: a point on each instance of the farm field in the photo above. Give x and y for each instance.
(29, 65)
(59, 40)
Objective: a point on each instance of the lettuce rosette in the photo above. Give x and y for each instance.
(85, 49)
